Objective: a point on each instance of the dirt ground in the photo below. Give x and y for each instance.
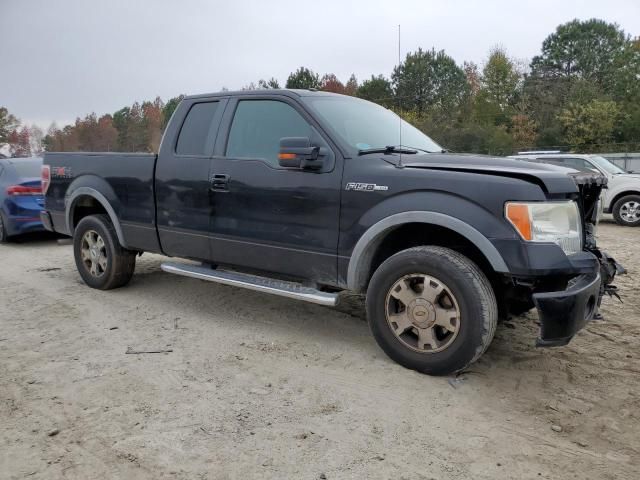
(258, 386)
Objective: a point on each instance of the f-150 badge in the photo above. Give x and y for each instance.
(365, 187)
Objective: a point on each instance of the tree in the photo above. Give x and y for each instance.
(500, 79)
(377, 89)
(351, 86)
(582, 49)
(330, 83)
(152, 120)
(473, 77)
(19, 143)
(589, 124)
(498, 90)
(35, 136)
(429, 81)
(169, 108)
(523, 131)
(8, 123)
(272, 83)
(303, 78)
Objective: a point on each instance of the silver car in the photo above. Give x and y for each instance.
(622, 195)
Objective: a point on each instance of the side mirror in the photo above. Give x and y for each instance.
(297, 152)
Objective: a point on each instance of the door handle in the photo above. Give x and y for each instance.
(219, 182)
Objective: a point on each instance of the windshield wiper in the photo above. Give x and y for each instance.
(430, 151)
(388, 150)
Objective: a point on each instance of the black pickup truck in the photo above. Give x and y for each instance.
(305, 194)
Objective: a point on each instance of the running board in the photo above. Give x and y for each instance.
(253, 282)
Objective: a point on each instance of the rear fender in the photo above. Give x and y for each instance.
(99, 190)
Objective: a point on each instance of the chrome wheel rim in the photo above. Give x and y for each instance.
(422, 313)
(630, 211)
(94, 253)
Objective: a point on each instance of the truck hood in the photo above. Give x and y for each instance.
(551, 178)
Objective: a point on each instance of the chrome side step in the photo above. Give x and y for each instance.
(253, 282)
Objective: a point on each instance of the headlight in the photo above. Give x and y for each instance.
(557, 222)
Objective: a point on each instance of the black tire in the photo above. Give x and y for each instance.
(618, 213)
(120, 263)
(4, 238)
(478, 309)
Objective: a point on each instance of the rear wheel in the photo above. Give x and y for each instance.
(431, 309)
(101, 261)
(626, 211)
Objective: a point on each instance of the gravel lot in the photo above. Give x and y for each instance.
(263, 387)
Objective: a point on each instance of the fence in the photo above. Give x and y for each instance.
(627, 161)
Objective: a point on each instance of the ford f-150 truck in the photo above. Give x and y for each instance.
(305, 194)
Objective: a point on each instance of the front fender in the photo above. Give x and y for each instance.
(366, 246)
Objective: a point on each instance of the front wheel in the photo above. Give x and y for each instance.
(431, 309)
(101, 261)
(626, 211)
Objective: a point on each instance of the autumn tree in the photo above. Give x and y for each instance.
(153, 123)
(351, 87)
(8, 123)
(523, 131)
(330, 83)
(19, 143)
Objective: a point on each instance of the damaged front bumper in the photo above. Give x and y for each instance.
(563, 313)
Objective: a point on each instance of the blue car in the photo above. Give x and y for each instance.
(21, 198)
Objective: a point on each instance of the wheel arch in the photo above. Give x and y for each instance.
(98, 203)
(619, 195)
(368, 247)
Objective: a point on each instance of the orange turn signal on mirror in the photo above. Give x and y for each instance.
(518, 215)
(287, 156)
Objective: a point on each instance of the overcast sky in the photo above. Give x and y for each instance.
(65, 58)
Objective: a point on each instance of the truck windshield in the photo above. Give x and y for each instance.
(365, 125)
(606, 165)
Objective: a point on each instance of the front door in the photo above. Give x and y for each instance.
(267, 217)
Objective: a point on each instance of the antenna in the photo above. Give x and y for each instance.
(399, 101)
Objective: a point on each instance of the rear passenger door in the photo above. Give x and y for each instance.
(183, 203)
(267, 217)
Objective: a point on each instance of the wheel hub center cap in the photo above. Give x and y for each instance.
(422, 313)
(94, 252)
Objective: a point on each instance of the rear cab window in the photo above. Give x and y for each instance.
(198, 131)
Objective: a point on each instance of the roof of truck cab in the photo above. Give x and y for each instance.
(289, 92)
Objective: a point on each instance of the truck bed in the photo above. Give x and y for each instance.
(126, 180)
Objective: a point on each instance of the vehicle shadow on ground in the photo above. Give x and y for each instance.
(514, 340)
(35, 238)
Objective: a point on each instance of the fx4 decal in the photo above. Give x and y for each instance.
(365, 187)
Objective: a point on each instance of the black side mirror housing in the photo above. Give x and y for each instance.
(297, 152)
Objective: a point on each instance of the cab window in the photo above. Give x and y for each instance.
(196, 133)
(258, 126)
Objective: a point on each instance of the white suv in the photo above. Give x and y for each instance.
(622, 195)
